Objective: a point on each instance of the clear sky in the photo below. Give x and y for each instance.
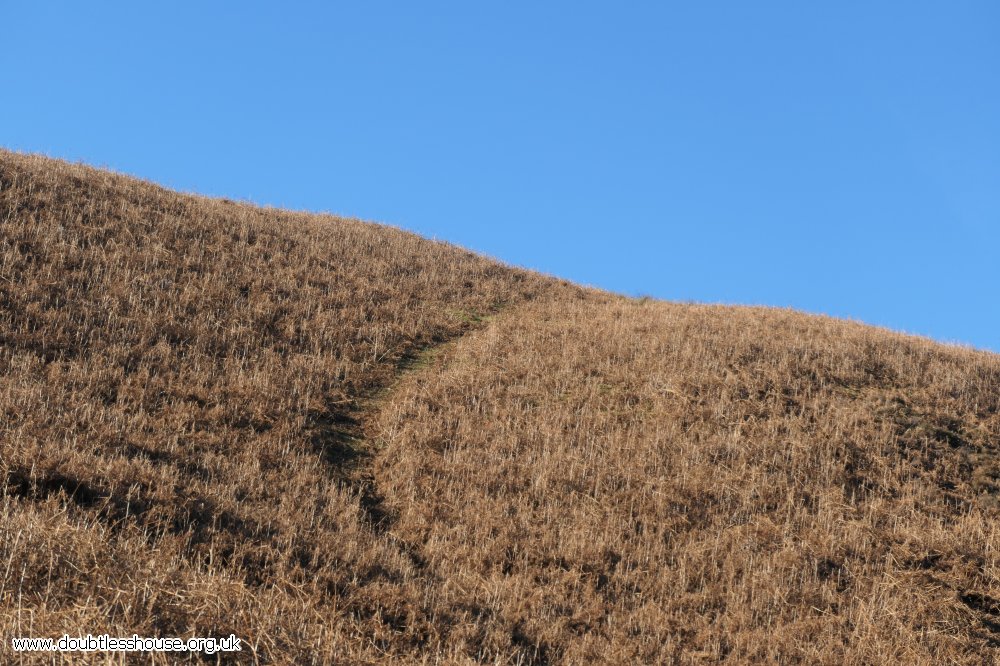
(841, 159)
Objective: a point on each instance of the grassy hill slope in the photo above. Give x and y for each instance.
(181, 385)
(643, 482)
(344, 443)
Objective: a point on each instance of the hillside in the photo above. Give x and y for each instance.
(347, 444)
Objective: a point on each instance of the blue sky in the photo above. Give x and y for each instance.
(841, 159)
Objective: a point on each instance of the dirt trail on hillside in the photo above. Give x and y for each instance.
(351, 443)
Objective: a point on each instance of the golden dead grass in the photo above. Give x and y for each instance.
(191, 391)
(179, 392)
(612, 481)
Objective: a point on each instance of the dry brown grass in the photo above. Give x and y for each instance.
(180, 388)
(190, 391)
(628, 482)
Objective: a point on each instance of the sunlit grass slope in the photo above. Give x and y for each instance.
(642, 482)
(347, 444)
(180, 380)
